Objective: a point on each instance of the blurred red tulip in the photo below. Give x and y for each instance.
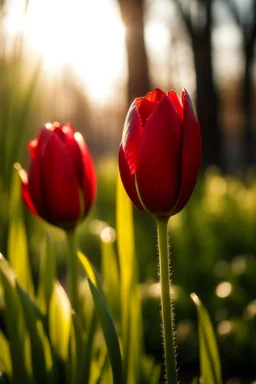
(61, 183)
(160, 152)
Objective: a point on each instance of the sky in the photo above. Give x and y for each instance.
(89, 38)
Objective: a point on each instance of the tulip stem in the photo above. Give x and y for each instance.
(72, 270)
(166, 305)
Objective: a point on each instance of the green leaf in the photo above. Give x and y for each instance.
(89, 270)
(15, 325)
(101, 367)
(125, 243)
(17, 240)
(89, 349)
(60, 321)
(110, 334)
(110, 273)
(195, 380)
(39, 344)
(210, 367)
(130, 295)
(47, 276)
(5, 357)
(77, 351)
(88, 312)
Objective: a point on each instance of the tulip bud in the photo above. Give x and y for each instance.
(160, 152)
(60, 185)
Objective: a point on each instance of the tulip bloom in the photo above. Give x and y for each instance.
(160, 152)
(60, 185)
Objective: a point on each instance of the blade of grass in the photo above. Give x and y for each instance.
(102, 364)
(91, 273)
(15, 325)
(89, 349)
(17, 238)
(47, 275)
(60, 322)
(38, 341)
(135, 340)
(110, 273)
(5, 357)
(89, 270)
(130, 296)
(110, 334)
(76, 352)
(210, 367)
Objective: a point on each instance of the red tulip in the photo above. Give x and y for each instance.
(61, 183)
(160, 152)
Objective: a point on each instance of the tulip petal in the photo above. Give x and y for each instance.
(158, 164)
(89, 181)
(131, 136)
(145, 108)
(156, 96)
(147, 104)
(176, 103)
(128, 179)
(60, 183)
(37, 146)
(191, 152)
(67, 135)
(35, 187)
(25, 192)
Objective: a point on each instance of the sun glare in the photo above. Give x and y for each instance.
(87, 36)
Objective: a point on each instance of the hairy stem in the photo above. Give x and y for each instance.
(166, 306)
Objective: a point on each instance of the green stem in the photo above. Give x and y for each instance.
(72, 270)
(166, 306)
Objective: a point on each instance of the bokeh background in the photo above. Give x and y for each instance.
(85, 61)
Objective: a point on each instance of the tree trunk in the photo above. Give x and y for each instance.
(138, 74)
(249, 137)
(207, 100)
(199, 32)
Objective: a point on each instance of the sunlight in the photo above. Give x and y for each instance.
(85, 36)
(224, 289)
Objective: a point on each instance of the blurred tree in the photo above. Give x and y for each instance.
(132, 12)
(245, 18)
(198, 20)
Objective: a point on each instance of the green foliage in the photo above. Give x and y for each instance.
(130, 295)
(17, 239)
(15, 324)
(209, 355)
(40, 349)
(109, 334)
(60, 321)
(45, 341)
(213, 254)
(19, 77)
(47, 275)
